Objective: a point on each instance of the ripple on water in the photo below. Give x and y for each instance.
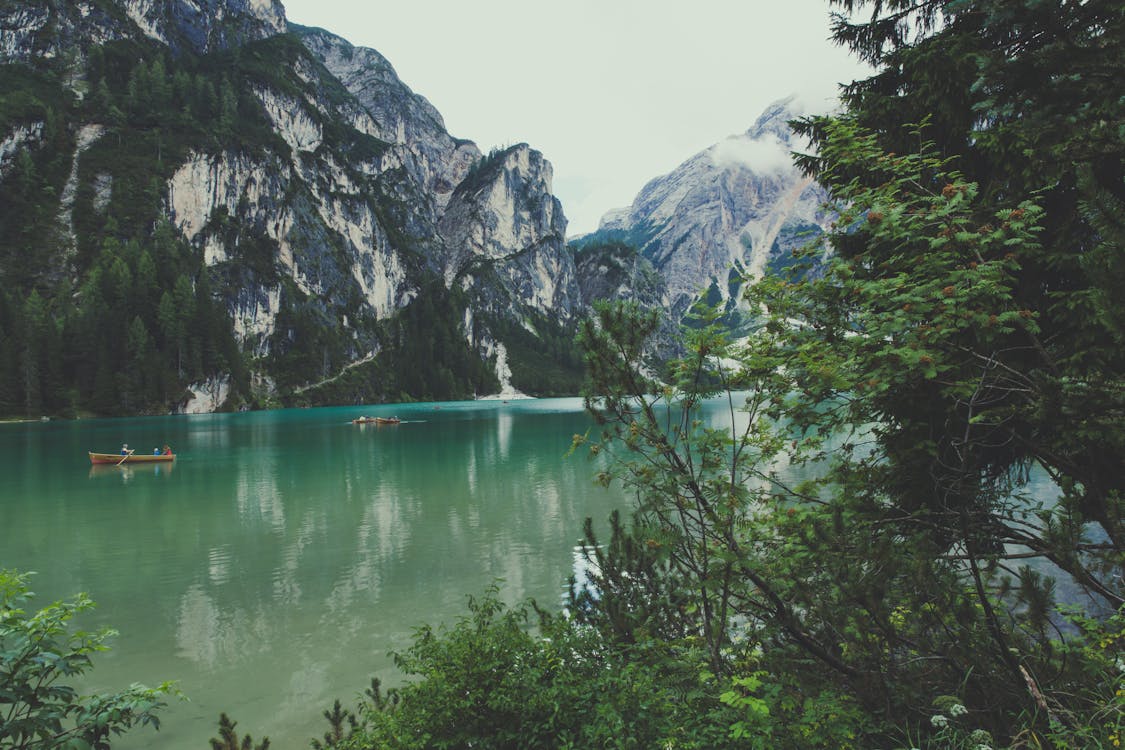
(219, 564)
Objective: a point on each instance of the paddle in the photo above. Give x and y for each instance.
(123, 458)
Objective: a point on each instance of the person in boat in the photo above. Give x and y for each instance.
(125, 449)
(167, 450)
(156, 451)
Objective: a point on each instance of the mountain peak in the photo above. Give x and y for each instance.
(775, 118)
(206, 25)
(740, 204)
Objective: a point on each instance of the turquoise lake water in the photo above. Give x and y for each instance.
(274, 565)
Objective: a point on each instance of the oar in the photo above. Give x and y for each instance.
(123, 458)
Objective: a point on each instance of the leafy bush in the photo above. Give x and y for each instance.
(38, 711)
(494, 681)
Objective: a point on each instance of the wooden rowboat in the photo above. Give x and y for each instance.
(132, 458)
(376, 420)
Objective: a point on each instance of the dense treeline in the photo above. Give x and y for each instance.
(546, 362)
(144, 324)
(423, 356)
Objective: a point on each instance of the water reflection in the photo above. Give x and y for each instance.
(128, 472)
(504, 433)
(257, 497)
(218, 565)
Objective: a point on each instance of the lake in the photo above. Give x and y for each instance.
(277, 562)
(274, 565)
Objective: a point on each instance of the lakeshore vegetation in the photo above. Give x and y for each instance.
(959, 330)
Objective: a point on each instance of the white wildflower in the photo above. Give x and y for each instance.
(957, 710)
(981, 740)
(938, 720)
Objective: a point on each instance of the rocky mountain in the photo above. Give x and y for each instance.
(202, 205)
(732, 211)
(50, 29)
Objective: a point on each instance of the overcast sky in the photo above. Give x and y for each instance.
(613, 92)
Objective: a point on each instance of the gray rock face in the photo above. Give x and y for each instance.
(739, 204)
(617, 271)
(505, 238)
(491, 225)
(56, 28)
(435, 160)
(206, 25)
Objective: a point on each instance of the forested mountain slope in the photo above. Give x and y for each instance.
(205, 206)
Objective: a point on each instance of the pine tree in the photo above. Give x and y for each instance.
(228, 738)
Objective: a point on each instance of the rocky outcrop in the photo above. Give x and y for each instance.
(21, 137)
(505, 237)
(615, 270)
(56, 29)
(206, 25)
(436, 161)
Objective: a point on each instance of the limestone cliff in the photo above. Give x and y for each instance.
(53, 29)
(506, 238)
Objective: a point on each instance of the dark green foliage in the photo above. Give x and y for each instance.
(830, 589)
(481, 170)
(432, 358)
(30, 243)
(489, 681)
(618, 256)
(423, 356)
(33, 97)
(39, 653)
(546, 362)
(1007, 200)
(145, 316)
(626, 592)
(637, 237)
(352, 145)
(348, 728)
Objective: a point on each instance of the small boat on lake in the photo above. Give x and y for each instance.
(132, 458)
(376, 420)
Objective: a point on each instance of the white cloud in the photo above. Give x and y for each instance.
(766, 155)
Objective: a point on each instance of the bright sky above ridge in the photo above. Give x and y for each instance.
(613, 92)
